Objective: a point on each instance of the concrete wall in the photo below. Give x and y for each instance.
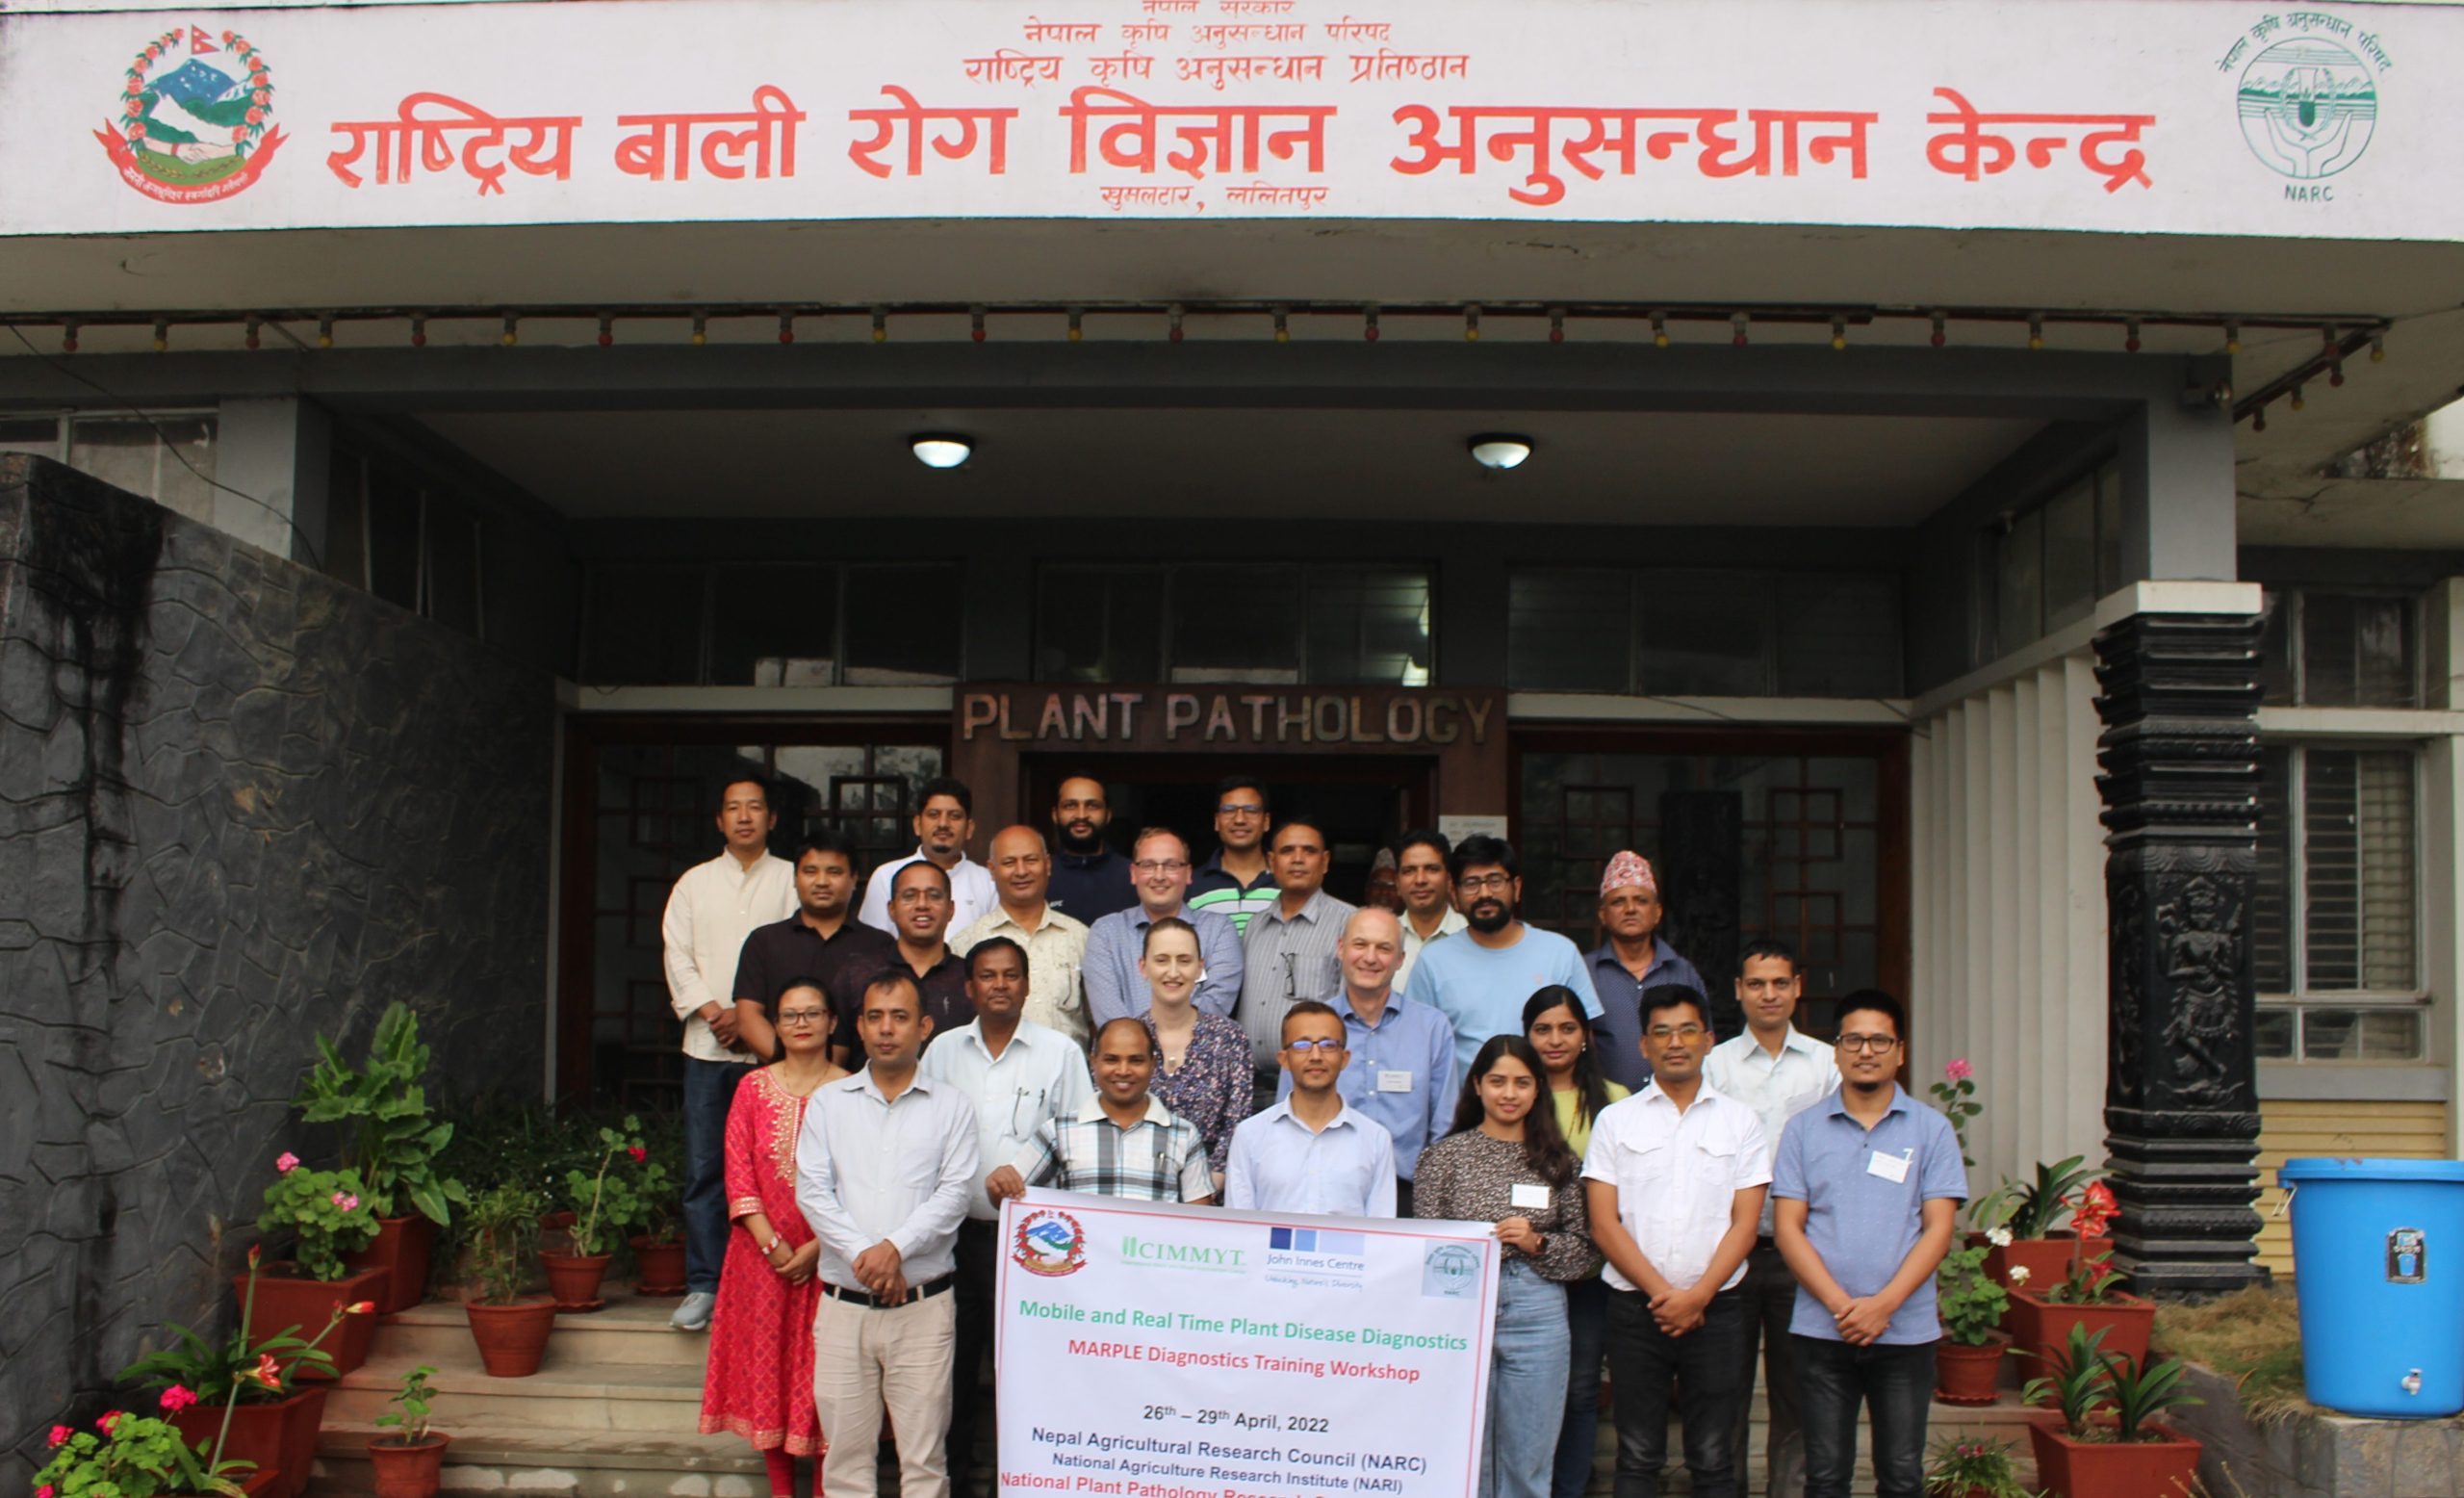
(240, 804)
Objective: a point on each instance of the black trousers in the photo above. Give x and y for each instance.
(979, 1260)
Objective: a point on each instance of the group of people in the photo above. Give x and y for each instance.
(863, 1088)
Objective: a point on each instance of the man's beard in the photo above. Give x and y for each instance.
(1490, 925)
(1093, 842)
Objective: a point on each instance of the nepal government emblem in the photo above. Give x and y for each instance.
(2308, 108)
(194, 118)
(1049, 1243)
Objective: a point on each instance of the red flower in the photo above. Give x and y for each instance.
(106, 1423)
(261, 95)
(226, 38)
(256, 115)
(135, 109)
(176, 1399)
(153, 49)
(137, 86)
(239, 132)
(266, 1373)
(638, 1153)
(360, 1309)
(136, 130)
(257, 79)
(60, 1434)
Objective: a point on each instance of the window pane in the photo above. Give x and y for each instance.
(2358, 871)
(2272, 904)
(347, 518)
(2271, 1039)
(1368, 627)
(904, 626)
(1100, 624)
(2108, 529)
(38, 435)
(2384, 798)
(645, 626)
(120, 454)
(774, 626)
(2330, 1035)
(2070, 554)
(1567, 629)
(1236, 623)
(2019, 583)
(2391, 1035)
(1838, 636)
(1705, 633)
(2331, 872)
(2275, 648)
(452, 565)
(188, 486)
(2356, 650)
(394, 540)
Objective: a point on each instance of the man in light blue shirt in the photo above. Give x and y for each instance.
(1481, 977)
(1400, 1071)
(1311, 1153)
(1868, 1184)
(1160, 865)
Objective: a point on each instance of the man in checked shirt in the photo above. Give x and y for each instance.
(1123, 1144)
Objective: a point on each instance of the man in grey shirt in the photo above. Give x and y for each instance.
(884, 1167)
(1288, 953)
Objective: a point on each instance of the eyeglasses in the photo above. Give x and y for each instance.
(1160, 865)
(1234, 808)
(792, 1016)
(1497, 882)
(1302, 1048)
(1877, 1045)
(1684, 1032)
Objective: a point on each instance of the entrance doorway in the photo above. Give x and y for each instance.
(1364, 802)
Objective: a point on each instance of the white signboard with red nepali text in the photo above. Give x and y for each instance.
(2185, 116)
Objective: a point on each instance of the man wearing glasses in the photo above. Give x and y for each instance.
(1160, 863)
(1868, 1184)
(1237, 883)
(1676, 1177)
(919, 912)
(1310, 1152)
(1018, 1075)
(1480, 979)
(1124, 1143)
(1288, 953)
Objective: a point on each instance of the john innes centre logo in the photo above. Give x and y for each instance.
(192, 121)
(2308, 106)
(1049, 1243)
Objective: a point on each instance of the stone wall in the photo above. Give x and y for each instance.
(241, 804)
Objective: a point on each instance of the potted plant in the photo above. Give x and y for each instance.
(392, 1145)
(603, 1203)
(1968, 1365)
(510, 1328)
(2106, 1443)
(409, 1463)
(328, 1217)
(658, 1218)
(245, 1395)
(2089, 1296)
(1955, 1095)
(2035, 1253)
(1958, 1468)
(138, 1457)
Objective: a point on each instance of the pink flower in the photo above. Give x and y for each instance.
(60, 1434)
(1959, 1070)
(45, 1490)
(350, 1203)
(106, 1423)
(176, 1399)
(285, 1163)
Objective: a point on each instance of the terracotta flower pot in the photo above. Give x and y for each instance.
(1964, 1375)
(2045, 1259)
(2163, 1468)
(661, 1266)
(407, 1471)
(574, 1279)
(401, 1251)
(512, 1338)
(288, 1298)
(2041, 1328)
(279, 1438)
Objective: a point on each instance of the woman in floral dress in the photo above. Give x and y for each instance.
(1204, 1073)
(759, 1380)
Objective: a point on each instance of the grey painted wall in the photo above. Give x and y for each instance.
(240, 804)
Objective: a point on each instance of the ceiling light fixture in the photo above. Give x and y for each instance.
(1498, 451)
(939, 449)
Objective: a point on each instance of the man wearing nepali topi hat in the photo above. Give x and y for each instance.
(1632, 960)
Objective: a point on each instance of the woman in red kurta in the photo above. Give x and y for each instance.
(759, 1380)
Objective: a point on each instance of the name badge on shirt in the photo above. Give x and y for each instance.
(1393, 1082)
(1529, 1198)
(1892, 1168)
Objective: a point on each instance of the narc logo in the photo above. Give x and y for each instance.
(195, 116)
(2308, 108)
(1049, 1243)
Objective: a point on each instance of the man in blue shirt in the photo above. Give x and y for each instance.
(1115, 991)
(1089, 879)
(1479, 977)
(1631, 960)
(1310, 1153)
(1400, 1069)
(1868, 1184)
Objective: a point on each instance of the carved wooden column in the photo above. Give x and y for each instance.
(2179, 698)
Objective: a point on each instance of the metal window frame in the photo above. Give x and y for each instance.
(2298, 596)
(1310, 572)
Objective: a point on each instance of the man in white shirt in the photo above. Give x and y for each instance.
(884, 1167)
(1312, 1153)
(1429, 896)
(1779, 1071)
(1056, 944)
(1675, 1180)
(712, 909)
(944, 825)
(1017, 1073)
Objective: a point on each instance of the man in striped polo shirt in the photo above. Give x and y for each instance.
(1238, 882)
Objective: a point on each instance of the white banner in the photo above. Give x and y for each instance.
(1172, 1352)
(2114, 115)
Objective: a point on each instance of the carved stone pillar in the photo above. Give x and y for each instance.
(2179, 698)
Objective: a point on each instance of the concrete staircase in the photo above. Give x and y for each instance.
(612, 1414)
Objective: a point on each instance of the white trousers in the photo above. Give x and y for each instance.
(865, 1360)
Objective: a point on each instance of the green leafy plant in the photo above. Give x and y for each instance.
(240, 1369)
(2075, 1381)
(408, 1418)
(1955, 1095)
(1958, 1468)
(130, 1456)
(2092, 1281)
(504, 1235)
(2086, 1379)
(658, 1180)
(1969, 1303)
(327, 1211)
(2041, 1201)
(606, 1200)
(2142, 1391)
(394, 1143)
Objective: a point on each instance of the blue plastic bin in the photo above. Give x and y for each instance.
(2379, 1263)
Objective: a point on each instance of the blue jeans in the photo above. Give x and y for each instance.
(1579, 1439)
(709, 1087)
(1526, 1385)
(1896, 1383)
(1705, 1363)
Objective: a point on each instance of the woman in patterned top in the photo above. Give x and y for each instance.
(1205, 1072)
(1554, 1021)
(1506, 1163)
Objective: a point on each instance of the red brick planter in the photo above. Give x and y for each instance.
(2166, 1468)
(407, 1471)
(2046, 1260)
(285, 1298)
(280, 1437)
(2041, 1328)
(660, 1267)
(575, 1279)
(401, 1251)
(512, 1338)
(1964, 1375)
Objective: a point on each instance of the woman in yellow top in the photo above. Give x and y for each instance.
(1555, 1025)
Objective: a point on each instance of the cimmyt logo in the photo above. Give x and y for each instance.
(2308, 108)
(195, 116)
(1049, 1243)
